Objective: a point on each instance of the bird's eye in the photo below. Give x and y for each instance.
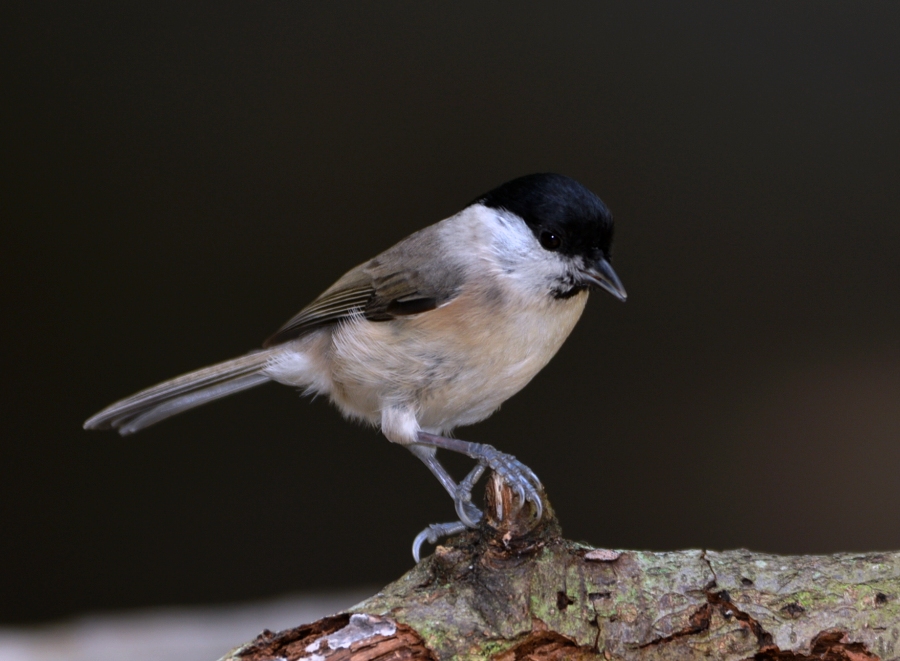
(550, 241)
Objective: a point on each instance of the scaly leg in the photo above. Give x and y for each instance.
(461, 493)
(516, 474)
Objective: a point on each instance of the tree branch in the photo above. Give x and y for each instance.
(510, 592)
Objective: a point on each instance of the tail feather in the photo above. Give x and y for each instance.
(184, 392)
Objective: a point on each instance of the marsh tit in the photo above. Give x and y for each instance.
(435, 332)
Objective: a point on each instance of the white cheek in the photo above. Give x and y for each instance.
(545, 270)
(512, 239)
(509, 249)
(531, 267)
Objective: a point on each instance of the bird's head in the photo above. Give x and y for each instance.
(572, 230)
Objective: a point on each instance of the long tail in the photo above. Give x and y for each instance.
(184, 392)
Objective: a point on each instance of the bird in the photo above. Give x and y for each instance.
(434, 333)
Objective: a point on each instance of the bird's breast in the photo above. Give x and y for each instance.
(455, 365)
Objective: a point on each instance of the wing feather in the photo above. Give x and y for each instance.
(329, 308)
(383, 288)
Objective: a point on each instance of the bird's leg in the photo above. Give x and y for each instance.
(469, 514)
(461, 493)
(519, 477)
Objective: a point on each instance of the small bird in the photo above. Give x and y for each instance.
(435, 332)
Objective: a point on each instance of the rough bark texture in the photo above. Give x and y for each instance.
(509, 593)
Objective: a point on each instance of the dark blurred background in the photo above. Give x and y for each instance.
(179, 179)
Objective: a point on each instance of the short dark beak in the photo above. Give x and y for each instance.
(601, 274)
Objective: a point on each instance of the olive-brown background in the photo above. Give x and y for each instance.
(181, 178)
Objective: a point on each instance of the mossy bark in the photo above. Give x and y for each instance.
(508, 593)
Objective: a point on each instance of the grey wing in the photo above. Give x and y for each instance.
(382, 289)
(338, 302)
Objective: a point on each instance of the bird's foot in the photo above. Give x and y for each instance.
(466, 510)
(434, 533)
(521, 479)
(517, 475)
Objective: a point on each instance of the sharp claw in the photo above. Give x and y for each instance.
(434, 533)
(463, 499)
(463, 514)
(420, 539)
(517, 475)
